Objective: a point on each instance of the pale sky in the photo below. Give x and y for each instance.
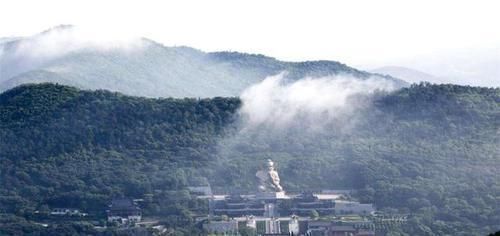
(354, 32)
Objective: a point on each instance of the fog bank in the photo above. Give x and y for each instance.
(279, 103)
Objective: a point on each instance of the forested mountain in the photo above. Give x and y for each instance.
(431, 151)
(142, 67)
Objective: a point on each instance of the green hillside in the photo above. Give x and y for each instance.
(150, 69)
(430, 151)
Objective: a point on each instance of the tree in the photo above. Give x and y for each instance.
(314, 214)
(247, 231)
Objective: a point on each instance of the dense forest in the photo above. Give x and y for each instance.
(430, 151)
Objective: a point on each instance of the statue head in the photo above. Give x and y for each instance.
(270, 165)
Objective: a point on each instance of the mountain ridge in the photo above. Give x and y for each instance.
(144, 67)
(408, 74)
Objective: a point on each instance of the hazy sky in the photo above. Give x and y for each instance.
(354, 32)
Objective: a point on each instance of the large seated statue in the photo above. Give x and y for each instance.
(269, 180)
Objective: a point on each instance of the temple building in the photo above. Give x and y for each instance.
(124, 211)
(270, 210)
(301, 205)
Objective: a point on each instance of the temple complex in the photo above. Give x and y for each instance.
(271, 210)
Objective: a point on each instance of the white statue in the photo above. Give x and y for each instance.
(269, 179)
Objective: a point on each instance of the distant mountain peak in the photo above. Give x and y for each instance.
(407, 74)
(58, 28)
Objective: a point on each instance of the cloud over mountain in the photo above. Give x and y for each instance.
(278, 103)
(142, 67)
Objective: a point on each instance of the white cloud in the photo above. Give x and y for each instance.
(62, 40)
(31, 52)
(278, 103)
